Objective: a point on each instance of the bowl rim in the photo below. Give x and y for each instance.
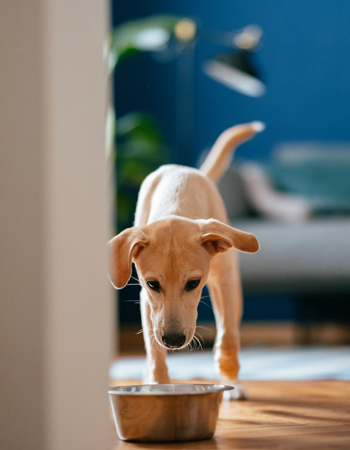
(215, 388)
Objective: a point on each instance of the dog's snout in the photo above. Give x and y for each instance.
(174, 340)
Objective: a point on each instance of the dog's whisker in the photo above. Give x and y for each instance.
(203, 327)
(154, 341)
(158, 347)
(136, 279)
(194, 345)
(199, 336)
(209, 306)
(133, 284)
(134, 301)
(200, 340)
(205, 296)
(140, 331)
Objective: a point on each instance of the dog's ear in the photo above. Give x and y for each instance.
(218, 237)
(123, 248)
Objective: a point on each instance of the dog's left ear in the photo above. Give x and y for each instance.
(123, 248)
(218, 237)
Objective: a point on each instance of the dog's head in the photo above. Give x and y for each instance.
(172, 257)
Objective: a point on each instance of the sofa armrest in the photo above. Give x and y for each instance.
(234, 194)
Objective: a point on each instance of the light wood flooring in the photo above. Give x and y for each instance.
(301, 415)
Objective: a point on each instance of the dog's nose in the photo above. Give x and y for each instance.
(174, 340)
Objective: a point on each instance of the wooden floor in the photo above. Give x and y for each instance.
(279, 415)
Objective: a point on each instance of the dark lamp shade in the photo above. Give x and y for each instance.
(235, 71)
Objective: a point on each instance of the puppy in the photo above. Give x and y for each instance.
(181, 241)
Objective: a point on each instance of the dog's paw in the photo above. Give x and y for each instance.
(226, 358)
(238, 393)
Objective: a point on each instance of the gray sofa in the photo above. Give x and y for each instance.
(311, 255)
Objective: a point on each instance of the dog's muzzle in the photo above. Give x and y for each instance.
(174, 340)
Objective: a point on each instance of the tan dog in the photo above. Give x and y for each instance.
(179, 244)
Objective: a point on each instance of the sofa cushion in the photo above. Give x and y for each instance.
(234, 194)
(308, 256)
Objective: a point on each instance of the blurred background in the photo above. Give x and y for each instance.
(174, 93)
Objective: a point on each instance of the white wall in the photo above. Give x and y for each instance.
(56, 310)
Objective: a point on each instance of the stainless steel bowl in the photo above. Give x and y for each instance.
(166, 412)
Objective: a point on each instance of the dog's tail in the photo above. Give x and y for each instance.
(219, 157)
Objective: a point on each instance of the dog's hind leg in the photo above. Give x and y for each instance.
(156, 368)
(226, 294)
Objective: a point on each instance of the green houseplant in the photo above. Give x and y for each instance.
(135, 142)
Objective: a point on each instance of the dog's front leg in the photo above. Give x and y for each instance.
(226, 294)
(156, 368)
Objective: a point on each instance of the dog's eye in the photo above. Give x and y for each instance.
(154, 285)
(192, 284)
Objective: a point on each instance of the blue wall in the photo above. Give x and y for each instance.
(305, 60)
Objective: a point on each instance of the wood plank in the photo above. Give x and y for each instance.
(306, 415)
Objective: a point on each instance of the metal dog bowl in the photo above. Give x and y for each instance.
(166, 412)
